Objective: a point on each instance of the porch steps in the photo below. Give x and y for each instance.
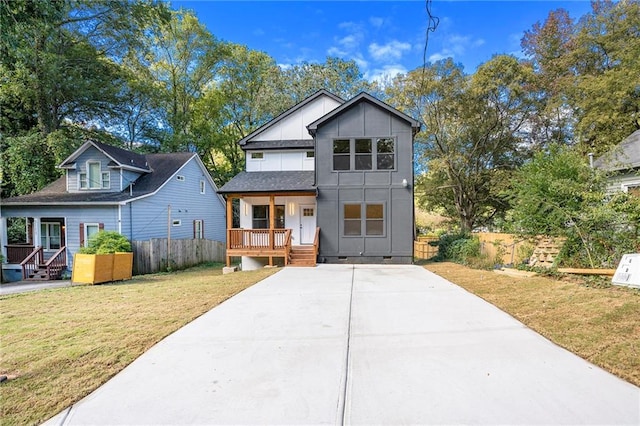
(302, 256)
(41, 274)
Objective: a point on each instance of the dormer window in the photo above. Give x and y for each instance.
(94, 178)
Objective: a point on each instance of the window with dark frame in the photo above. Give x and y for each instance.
(363, 154)
(372, 222)
(261, 217)
(352, 220)
(341, 154)
(375, 219)
(385, 154)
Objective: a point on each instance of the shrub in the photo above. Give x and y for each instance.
(460, 248)
(105, 242)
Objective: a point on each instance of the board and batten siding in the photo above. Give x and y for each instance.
(293, 127)
(151, 214)
(336, 188)
(280, 161)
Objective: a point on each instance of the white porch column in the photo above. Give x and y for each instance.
(36, 232)
(3, 237)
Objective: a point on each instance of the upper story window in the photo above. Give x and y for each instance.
(203, 187)
(364, 154)
(94, 177)
(310, 154)
(257, 155)
(180, 178)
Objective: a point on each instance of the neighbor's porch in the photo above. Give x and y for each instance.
(272, 229)
(39, 252)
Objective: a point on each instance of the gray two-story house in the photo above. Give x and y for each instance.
(326, 181)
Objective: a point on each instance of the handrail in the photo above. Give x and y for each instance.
(316, 241)
(16, 253)
(29, 265)
(57, 263)
(287, 246)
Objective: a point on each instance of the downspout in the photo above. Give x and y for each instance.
(130, 222)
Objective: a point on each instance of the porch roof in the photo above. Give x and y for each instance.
(280, 181)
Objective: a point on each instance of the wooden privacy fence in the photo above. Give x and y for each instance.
(158, 254)
(422, 249)
(510, 248)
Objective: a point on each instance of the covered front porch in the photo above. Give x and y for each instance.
(33, 247)
(272, 229)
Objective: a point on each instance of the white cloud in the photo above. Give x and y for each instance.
(455, 46)
(385, 74)
(376, 21)
(390, 51)
(438, 56)
(336, 51)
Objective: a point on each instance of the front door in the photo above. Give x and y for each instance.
(307, 224)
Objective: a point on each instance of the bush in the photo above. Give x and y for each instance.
(460, 248)
(106, 242)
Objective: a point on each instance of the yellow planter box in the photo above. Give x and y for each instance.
(122, 266)
(101, 268)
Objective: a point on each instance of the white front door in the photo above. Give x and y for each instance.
(307, 224)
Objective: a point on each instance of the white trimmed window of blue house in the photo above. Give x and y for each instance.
(94, 177)
(90, 229)
(176, 222)
(203, 186)
(180, 178)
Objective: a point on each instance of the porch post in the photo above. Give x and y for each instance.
(229, 226)
(3, 237)
(272, 225)
(37, 241)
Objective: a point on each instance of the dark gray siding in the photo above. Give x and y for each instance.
(336, 188)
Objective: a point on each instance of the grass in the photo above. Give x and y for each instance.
(57, 346)
(600, 323)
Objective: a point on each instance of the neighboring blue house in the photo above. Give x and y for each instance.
(105, 187)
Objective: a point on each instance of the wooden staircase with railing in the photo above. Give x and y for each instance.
(302, 256)
(35, 268)
(305, 255)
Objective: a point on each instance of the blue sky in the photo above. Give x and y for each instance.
(383, 37)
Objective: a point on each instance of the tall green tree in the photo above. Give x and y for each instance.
(472, 138)
(340, 77)
(588, 72)
(183, 58)
(58, 69)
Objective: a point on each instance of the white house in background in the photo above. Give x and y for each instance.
(623, 163)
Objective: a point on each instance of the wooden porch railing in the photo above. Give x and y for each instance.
(272, 239)
(34, 264)
(287, 247)
(56, 264)
(316, 242)
(16, 253)
(259, 242)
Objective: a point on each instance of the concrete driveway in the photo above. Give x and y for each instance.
(339, 344)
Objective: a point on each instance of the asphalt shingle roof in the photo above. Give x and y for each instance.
(282, 144)
(163, 166)
(281, 181)
(624, 156)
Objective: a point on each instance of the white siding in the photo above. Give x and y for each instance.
(279, 161)
(294, 127)
(291, 212)
(622, 182)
